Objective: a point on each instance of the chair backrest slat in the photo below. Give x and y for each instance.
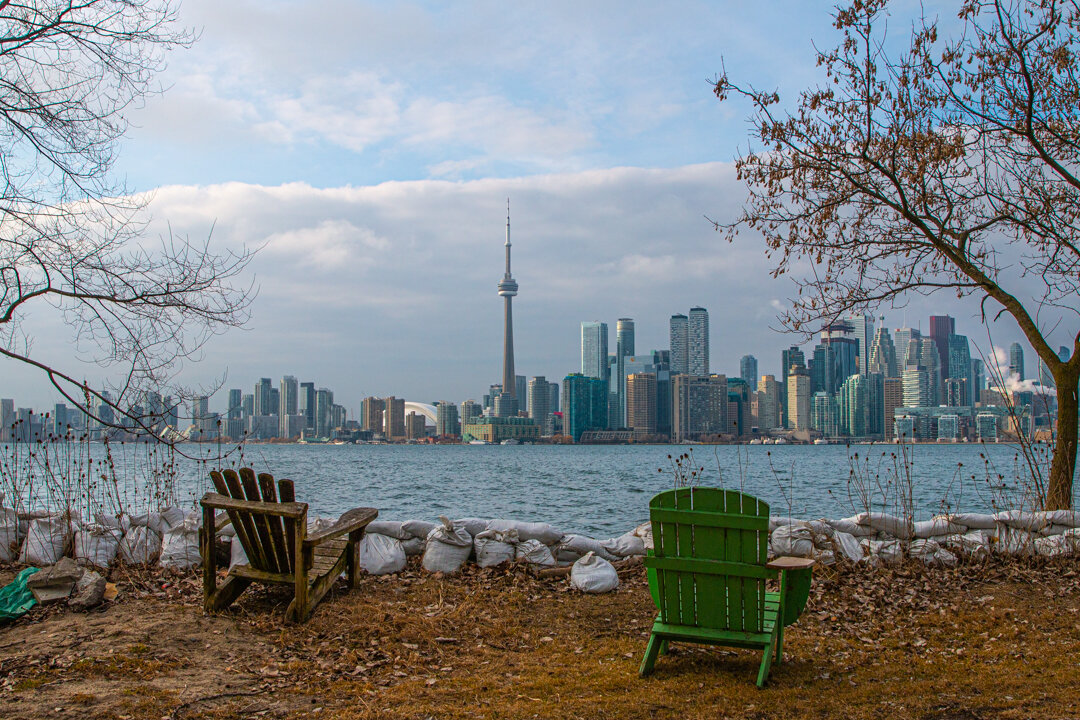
(287, 493)
(710, 550)
(277, 529)
(249, 538)
(262, 527)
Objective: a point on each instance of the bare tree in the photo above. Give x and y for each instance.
(951, 166)
(71, 239)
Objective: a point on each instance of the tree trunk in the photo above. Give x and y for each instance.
(1063, 468)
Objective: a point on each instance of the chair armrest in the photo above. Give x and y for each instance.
(790, 563)
(350, 521)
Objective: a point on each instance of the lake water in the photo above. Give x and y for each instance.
(604, 490)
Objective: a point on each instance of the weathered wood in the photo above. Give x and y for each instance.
(226, 595)
(349, 521)
(277, 530)
(221, 502)
(299, 605)
(287, 494)
(250, 539)
(790, 563)
(262, 525)
(207, 538)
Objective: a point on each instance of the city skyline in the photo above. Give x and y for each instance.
(376, 194)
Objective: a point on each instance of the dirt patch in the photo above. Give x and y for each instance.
(991, 641)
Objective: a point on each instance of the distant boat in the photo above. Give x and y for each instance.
(479, 442)
(510, 441)
(821, 441)
(780, 441)
(756, 441)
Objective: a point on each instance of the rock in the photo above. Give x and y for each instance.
(56, 581)
(89, 591)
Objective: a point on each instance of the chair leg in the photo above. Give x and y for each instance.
(778, 658)
(664, 646)
(766, 663)
(651, 651)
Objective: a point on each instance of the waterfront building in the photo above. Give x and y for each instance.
(697, 341)
(863, 331)
(769, 405)
(584, 404)
(903, 338)
(200, 416)
(986, 427)
(539, 404)
(262, 398)
(835, 359)
(247, 404)
(678, 332)
(699, 406)
(917, 388)
(497, 429)
(854, 407)
(978, 380)
(624, 344)
(930, 360)
(305, 404)
(792, 357)
(468, 411)
(798, 398)
(739, 407)
(641, 403)
(371, 414)
(942, 328)
(447, 422)
(505, 405)
(748, 367)
(959, 365)
(324, 412)
(553, 398)
(262, 427)
(1016, 360)
(824, 414)
(948, 427)
(7, 419)
(883, 355)
(415, 426)
(904, 428)
(508, 289)
(393, 418)
(594, 349)
(288, 404)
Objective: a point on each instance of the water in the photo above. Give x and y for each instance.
(604, 490)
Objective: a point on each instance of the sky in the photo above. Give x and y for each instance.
(368, 151)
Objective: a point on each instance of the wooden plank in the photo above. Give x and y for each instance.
(709, 541)
(261, 575)
(709, 635)
(228, 592)
(733, 554)
(669, 580)
(710, 567)
(303, 562)
(222, 486)
(790, 563)
(687, 580)
(753, 600)
(287, 494)
(277, 530)
(250, 539)
(700, 518)
(223, 502)
(350, 521)
(262, 526)
(207, 541)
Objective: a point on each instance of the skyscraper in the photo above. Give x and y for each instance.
(1016, 360)
(288, 402)
(793, 356)
(305, 405)
(941, 327)
(539, 398)
(748, 370)
(7, 419)
(960, 367)
(641, 403)
(798, 399)
(262, 397)
(863, 331)
(624, 347)
(699, 406)
(508, 288)
(678, 330)
(584, 404)
(883, 355)
(697, 339)
(594, 350)
(769, 405)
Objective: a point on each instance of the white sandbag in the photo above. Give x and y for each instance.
(237, 556)
(495, 547)
(1053, 530)
(824, 557)
(792, 541)
(575, 547)
(1066, 518)
(117, 521)
(1021, 520)
(473, 526)
(389, 528)
(974, 521)
(161, 521)
(847, 545)
(47, 540)
(534, 552)
(644, 531)
(1012, 541)
(594, 574)
(849, 526)
(418, 528)
(140, 545)
(1057, 545)
(381, 554)
(890, 525)
(12, 532)
(180, 543)
(318, 524)
(541, 531)
(883, 552)
(931, 553)
(821, 540)
(936, 526)
(776, 521)
(413, 546)
(448, 547)
(972, 544)
(625, 545)
(97, 545)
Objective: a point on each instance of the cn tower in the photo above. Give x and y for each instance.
(508, 288)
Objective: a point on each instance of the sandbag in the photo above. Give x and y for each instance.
(792, 541)
(389, 528)
(974, 521)
(890, 525)
(237, 556)
(1021, 520)
(381, 554)
(117, 521)
(1053, 530)
(1013, 541)
(47, 540)
(935, 527)
(495, 547)
(418, 528)
(847, 545)
(140, 545)
(972, 544)
(593, 574)
(448, 547)
(473, 526)
(1065, 518)
(12, 532)
(1057, 545)
(931, 553)
(413, 546)
(161, 521)
(849, 526)
(534, 552)
(625, 545)
(541, 531)
(180, 543)
(644, 531)
(883, 552)
(575, 547)
(824, 557)
(776, 521)
(97, 545)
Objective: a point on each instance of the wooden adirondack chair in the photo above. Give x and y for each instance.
(707, 574)
(272, 528)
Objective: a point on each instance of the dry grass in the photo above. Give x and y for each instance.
(989, 641)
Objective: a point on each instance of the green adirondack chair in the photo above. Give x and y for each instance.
(707, 575)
